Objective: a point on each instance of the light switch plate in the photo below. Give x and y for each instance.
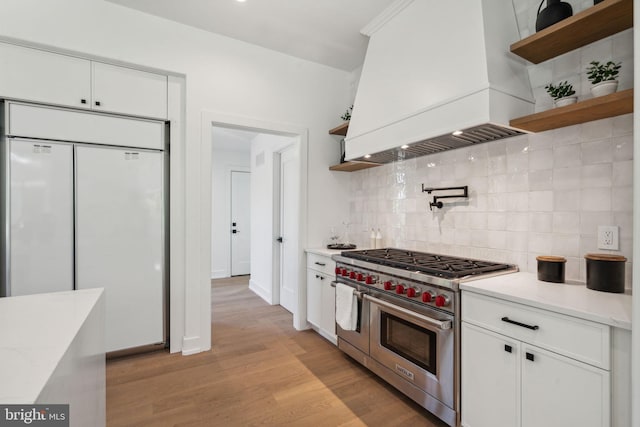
(608, 237)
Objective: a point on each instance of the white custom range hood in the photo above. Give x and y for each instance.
(435, 67)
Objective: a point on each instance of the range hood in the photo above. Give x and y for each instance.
(433, 68)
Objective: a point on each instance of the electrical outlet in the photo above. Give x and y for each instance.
(608, 237)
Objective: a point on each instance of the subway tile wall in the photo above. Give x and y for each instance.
(538, 194)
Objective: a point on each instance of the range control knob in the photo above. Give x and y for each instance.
(338, 270)
(344, 272)
(360, 277)
(413, 292)
(400, 289)
(370, 280)
(428, 296)
(352, 275)
(389, 285)
(442, 301)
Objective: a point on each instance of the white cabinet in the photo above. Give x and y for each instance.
(321, 296)
(125, 90)
(36, 75)
(51, 78)
(490, 379)
(515, 371)
(558, 391)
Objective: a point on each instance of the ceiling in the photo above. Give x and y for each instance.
(322, 31)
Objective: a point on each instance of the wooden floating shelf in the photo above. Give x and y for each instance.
(340, 130)
(595, 23)
(601, 107)
(353, 166)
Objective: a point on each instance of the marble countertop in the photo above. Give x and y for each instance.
(571, 299)
(35, 332)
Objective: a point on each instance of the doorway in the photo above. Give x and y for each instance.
(265, 256)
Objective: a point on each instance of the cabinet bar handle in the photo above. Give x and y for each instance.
(322, 264)
(524, 325)
(530, 357)
(508, 348)
(83, 101)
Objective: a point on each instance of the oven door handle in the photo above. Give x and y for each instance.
(358, 294)
(440, 324)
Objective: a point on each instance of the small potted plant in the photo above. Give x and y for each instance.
(603, 77)
(562, 94)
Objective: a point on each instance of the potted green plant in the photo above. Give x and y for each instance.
(603, 77)
(562, 94)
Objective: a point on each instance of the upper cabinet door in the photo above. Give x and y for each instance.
(128, 91)
(37, 75)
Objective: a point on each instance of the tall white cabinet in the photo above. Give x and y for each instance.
(119, 239)
(84, 215)
(40, 216)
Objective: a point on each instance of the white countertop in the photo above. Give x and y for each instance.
(570, 299)
(325, 251)
(35, 332)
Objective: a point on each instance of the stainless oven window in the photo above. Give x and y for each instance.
(409, 341)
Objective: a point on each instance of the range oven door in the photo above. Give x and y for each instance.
(360, 337)
(419, 347)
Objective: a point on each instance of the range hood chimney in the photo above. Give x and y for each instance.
(433, 68)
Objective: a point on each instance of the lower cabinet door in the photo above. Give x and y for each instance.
(560, 392)
(314, 298)
(328, 306)
(490, 373)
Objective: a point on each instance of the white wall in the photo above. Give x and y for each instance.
(223, 162)
(222, 75)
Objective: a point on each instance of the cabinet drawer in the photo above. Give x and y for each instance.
(321, 263)
(579, 339)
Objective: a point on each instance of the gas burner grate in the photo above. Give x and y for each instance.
(445, 266)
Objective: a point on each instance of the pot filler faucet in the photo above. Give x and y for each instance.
(438, 204)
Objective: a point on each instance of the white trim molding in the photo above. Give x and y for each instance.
(385, 16)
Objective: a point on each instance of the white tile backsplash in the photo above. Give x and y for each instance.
(562, 185)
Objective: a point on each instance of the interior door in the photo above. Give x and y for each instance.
(119, 239)
(240, 223)
(41, 217)
(289, 224)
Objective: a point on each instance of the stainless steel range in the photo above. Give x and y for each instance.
(408, 328)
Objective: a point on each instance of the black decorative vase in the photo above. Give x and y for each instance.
(555, 11)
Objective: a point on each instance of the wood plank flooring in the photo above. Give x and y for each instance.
(260, 372)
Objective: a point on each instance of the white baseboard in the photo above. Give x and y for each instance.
(220, 274)
(258, 290)
(190, 345)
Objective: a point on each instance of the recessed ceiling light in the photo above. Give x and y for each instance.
(241, 1)
(367, 156)
(456, 133)
(404, 147)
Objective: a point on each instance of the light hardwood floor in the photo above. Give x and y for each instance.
(260, 372)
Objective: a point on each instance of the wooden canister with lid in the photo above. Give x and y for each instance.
(605, 272)
(551, 268)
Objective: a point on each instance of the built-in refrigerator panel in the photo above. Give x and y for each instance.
(119, 218)
(40, 210)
